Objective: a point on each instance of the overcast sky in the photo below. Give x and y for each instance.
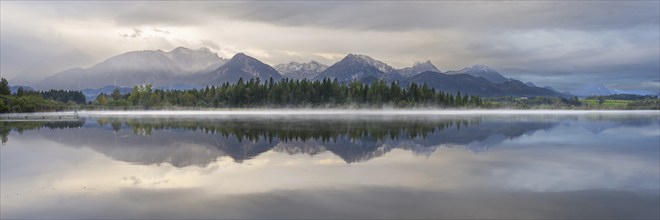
(563, 44)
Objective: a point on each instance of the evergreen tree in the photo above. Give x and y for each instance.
(20, 91)
(294, 93)
(4, 87)
(116, 94)
(134, 97)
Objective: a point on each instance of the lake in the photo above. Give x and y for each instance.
(325, 164)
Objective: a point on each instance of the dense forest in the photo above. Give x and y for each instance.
(33, 101)
(296, 94)
(290, 93)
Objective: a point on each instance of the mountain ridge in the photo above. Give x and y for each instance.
(480, 86)
(135, 67)
(488, 73)
(240, 66)
(295, 70)
(360, 67)
(417, 68)
(592, 89)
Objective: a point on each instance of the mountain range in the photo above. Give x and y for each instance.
(184, 68)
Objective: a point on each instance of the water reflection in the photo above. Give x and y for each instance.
(542, 166)
(184, 142)
(189, 141)
(19, 126)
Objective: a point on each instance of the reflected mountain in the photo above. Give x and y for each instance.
(198, 142)
(598, 124)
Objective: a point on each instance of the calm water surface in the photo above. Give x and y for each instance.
(333, 166)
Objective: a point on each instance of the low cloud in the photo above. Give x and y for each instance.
(136, 33)
(161, 31)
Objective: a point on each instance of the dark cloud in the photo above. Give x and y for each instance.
(398, 16)
(380, 16)
(564, 44)
(614, 75)
(648, 87)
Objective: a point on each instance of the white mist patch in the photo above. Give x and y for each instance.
(302, 112)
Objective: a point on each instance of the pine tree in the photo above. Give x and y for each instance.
(116, 94)
(4, 87)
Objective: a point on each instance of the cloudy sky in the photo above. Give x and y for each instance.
(563, 44)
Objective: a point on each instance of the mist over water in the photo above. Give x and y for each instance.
(333, 164)
(386, 112)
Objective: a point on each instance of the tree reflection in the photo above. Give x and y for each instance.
(200, 141)
(254, 130)
(20, 126)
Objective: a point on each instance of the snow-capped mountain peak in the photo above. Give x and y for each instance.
(364, 59)
(478, 68)
(419, 67)
(360, 67)
(190, 61)
(488, 73)
(295, 70)
(188, 50)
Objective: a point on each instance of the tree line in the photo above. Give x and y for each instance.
(629, 97)
(291, 93)
(38, 101)
(538, 102)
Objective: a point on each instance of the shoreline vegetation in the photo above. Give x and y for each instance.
(301, 94)
(252, 113)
